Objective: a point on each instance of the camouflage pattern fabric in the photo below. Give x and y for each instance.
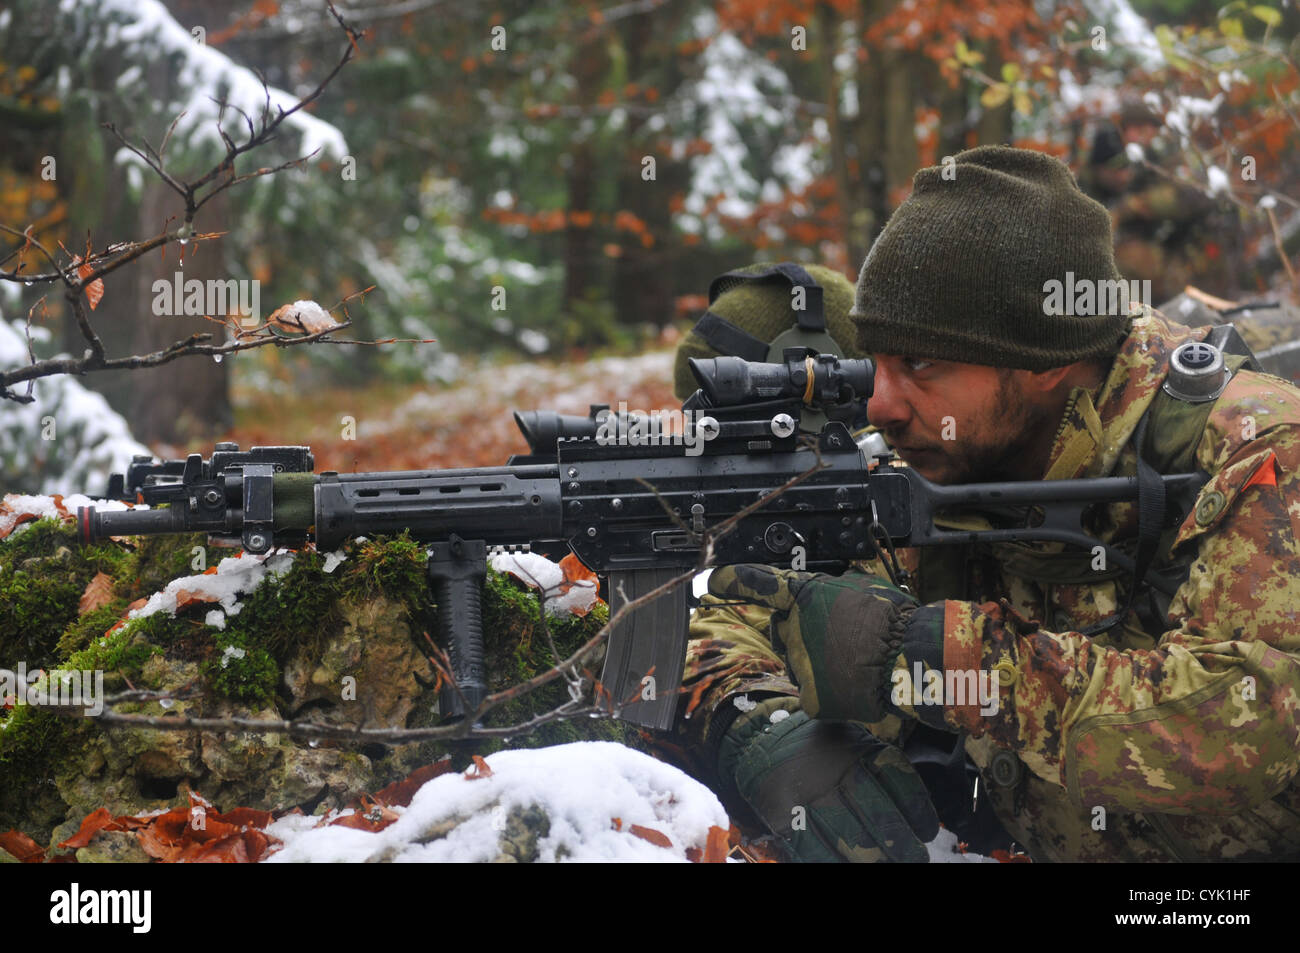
(1182, 743)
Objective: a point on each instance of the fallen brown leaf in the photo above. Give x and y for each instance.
(658, 838)
(99, 592)
(399, 793)
(22, 847)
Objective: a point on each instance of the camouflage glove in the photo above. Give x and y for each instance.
(841, 635)
(830, 790)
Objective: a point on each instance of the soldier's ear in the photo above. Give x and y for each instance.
(1044, 382)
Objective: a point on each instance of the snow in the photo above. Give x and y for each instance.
(540, 573)
(144, 31)
(87, 439)
(231, 651)
(1134, 152)
(736, 87)
(1218, 180)
(235, 576)
(581, 787)
(943, 850)
(1128, 30)
(44, 507)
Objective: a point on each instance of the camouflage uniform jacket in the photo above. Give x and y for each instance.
(1173, 744)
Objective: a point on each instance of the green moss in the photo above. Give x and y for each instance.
(247, 674)
(291, 616)
(392, 565)
(289, 611)
(517, 650)
(33, 742)
(157, 560)
(90, 627)
(43, 572)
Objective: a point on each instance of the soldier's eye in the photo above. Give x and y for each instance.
(915, 364)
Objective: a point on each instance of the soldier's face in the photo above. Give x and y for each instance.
(959, 423)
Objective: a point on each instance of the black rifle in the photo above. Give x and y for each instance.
(633, 501)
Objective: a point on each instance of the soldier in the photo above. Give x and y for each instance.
(1124, 724)
(1165, 231)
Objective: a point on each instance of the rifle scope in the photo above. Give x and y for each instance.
(542, 428)
(816, 379)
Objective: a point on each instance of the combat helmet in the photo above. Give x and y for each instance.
(757, 311)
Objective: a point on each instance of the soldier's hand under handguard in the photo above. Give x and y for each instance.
(830, 790)
(841, 635)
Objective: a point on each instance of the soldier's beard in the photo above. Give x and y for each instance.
(995, 444)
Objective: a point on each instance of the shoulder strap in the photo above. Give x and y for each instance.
(725, 338)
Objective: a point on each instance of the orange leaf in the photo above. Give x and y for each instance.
(717, 846)
(245, 816)
(7, 527)
(480, 769)
(399, 793)
(95, 293)
(575, 569)
(185, 597)
(374, 819)
(21, 846)
(94, 290)
(225, 849)
(99, 592)
(1004, 857)
(617, 823)
(658, 838)
(93, 823)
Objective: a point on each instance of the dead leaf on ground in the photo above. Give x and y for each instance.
(480, 769)
(99, 592)
(399, 793)
(370, 817)
(658, 838)
(22, 847)
(185, 597)
(195, 834)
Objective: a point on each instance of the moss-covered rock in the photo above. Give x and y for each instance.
(341, 647)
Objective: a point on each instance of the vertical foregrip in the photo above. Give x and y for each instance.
(456, 571)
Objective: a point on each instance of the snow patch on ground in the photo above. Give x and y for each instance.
(943, 850)
(539, 572)
(581, 787)
(235, 576)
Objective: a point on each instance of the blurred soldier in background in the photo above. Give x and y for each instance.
(1168, 233)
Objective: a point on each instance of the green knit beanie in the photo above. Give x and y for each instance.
(763, 310)
(959, 272)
